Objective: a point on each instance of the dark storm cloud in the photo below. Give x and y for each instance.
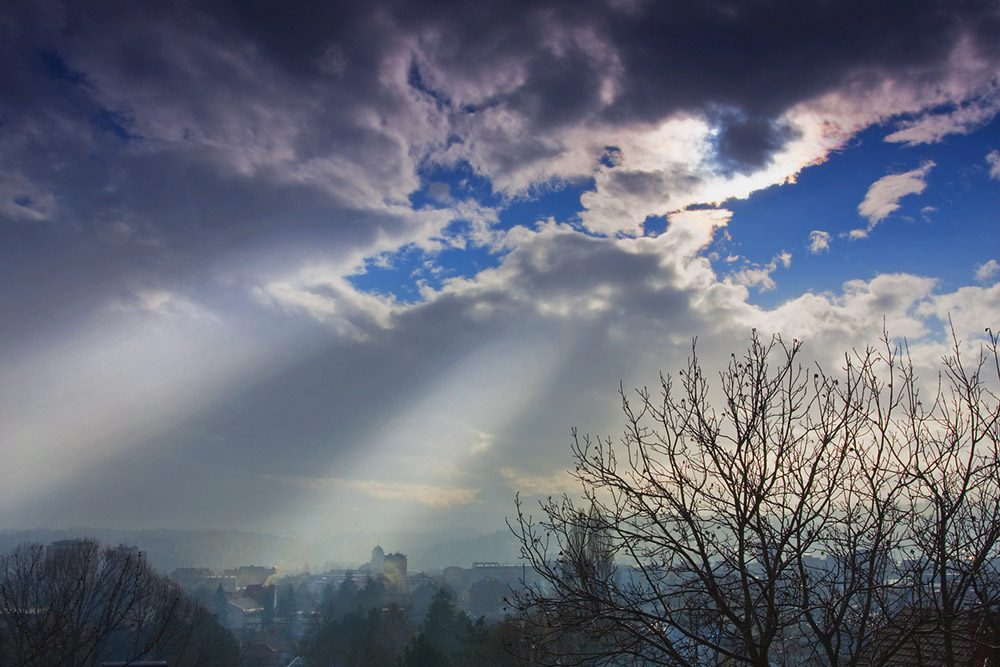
(559, 90)
(636, 182)
(745, 144)
(764, 56)
(299, 35)
(152, 145)
(162, 143)
(758, 58)
(256, 78)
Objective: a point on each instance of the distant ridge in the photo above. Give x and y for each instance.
(218, 549)
(168, 549)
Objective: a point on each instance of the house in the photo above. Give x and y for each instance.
(269, 654)
(243, 613)
(261, 654)
(260, 593)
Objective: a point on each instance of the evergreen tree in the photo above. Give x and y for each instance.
(347, 593)
(304, 600)
(446, 626)
(267, 613)
(220, 605)
(370, 596)
(422, 653)
(286, 602)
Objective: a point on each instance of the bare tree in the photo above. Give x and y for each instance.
(76, 603)
(792, 518)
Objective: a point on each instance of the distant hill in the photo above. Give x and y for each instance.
(170, 549)
(221, 549)
(499, 546)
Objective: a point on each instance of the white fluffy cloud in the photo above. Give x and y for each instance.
(819, 241)
(988, 271)
(933, 127)
(761, 276)
(22, 200)
(323, 294)
(882, 198)
(993, 160)
(837, 322)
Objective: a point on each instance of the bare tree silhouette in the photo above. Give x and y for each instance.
(792, 517)
(77, 603)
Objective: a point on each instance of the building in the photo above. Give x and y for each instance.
(377, 564)
(265, 595)
(65, 548)
(243, 613)
(246, 575)
(394, 571)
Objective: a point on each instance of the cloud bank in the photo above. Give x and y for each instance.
(380, 257)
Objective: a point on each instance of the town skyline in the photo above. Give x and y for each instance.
(349, 271)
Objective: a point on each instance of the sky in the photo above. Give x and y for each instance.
(355, 269)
